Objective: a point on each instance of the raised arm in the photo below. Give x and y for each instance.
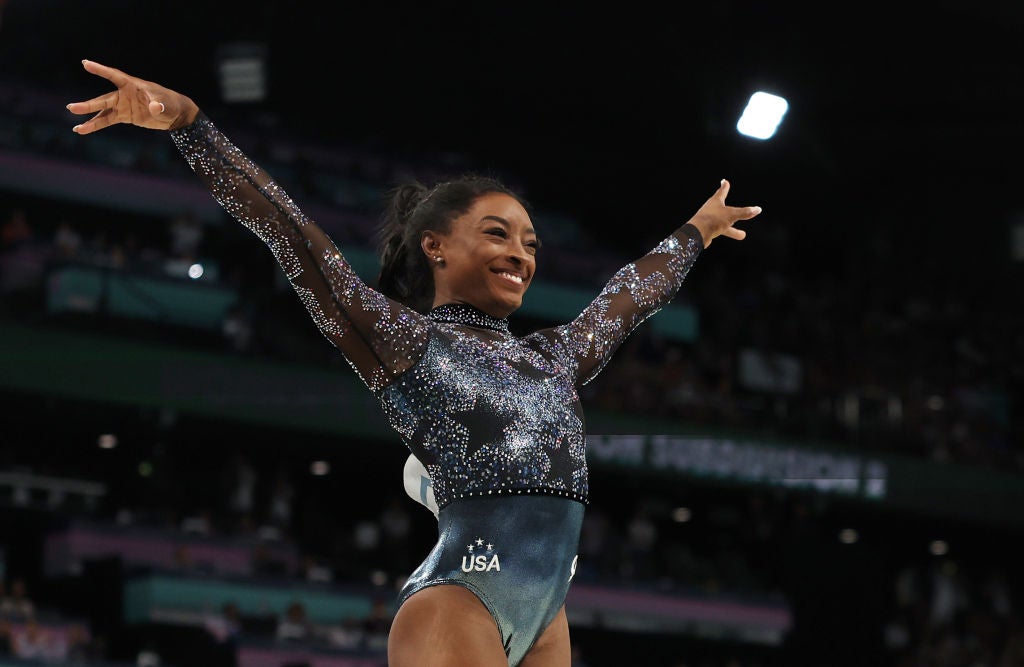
(379, 337)
(640, 289)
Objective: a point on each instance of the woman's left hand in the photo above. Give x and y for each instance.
(716, 218)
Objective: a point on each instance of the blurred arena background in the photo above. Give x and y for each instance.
(813, 457)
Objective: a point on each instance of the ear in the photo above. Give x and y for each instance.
(430, 242)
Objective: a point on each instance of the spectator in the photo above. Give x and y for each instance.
(80, 647)
(6, 639)
(226, 625)
(641, 538)
(350, 634)
(242, 480)
(314, 571)
(187, 235)
(34, 642)
(395, 524)
(17, 604)
(22, 263)
(67, 242)
(237, 330)
(16, 229)
(294, 625)
(182, 558)
(264, 563)
(366, 540)
(596, 557)
(282, 497)
(377, 625)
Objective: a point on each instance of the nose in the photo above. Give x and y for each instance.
(519, 254)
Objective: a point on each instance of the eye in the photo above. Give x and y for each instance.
(497, 231)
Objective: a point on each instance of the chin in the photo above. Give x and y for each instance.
(503, 309)
(503, 302)
(513, 304)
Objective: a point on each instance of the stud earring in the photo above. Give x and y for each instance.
(439, 260)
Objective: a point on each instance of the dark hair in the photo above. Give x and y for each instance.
(411, 209)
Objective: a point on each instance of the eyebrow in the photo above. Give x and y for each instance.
(529, 230)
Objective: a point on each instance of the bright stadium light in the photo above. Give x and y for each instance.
(762, 115)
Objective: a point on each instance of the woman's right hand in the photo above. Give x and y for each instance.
(136, 101)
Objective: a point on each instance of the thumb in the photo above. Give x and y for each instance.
(156, 108)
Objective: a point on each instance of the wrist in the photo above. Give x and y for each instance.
(188, 116)
(697, 233)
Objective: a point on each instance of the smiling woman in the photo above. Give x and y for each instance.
(494, 419)
(487, 258)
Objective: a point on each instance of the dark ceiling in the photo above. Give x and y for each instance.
(903, 123)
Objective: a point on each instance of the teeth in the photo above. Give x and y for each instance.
(518, 279)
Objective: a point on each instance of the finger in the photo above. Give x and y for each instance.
(733, 233)
(748, 212)
(105, 101)
(101, 120)
(114, 76)
(723, 190)
(743, 212)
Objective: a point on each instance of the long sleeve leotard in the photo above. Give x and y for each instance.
(488, 413)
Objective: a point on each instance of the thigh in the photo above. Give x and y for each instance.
(552, 648)
(445, 626)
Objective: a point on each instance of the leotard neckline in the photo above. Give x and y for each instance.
(463, 313)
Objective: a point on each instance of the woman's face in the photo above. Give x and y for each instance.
(489, 256)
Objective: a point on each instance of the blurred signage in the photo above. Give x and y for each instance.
(745, 461)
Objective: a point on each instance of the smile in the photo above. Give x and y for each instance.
(511, 276)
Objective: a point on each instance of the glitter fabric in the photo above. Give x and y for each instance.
(488, 413)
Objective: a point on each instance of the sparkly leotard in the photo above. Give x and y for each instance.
(494, 418)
